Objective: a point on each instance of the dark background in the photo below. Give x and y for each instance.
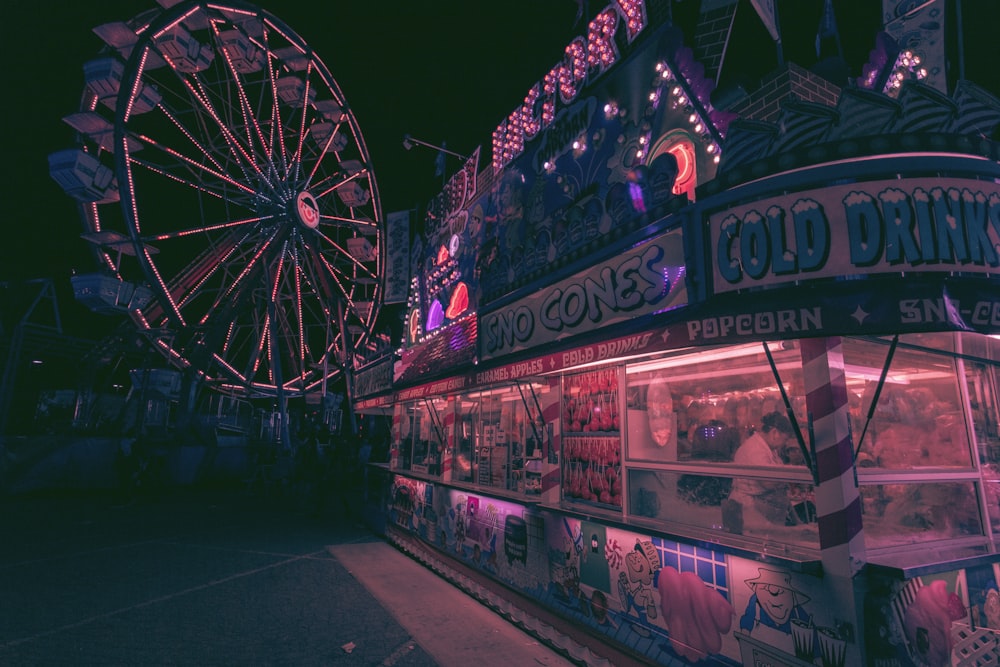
(446, 71)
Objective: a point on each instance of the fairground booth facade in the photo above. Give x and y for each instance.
(719, 385)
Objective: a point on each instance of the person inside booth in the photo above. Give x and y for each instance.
(761, 502)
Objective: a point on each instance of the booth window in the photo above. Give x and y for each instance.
(592, 448)
(466, 438)
(501, 437)
(914, 452)
(420, 438)
(699, 407)
(981, 358)
(712, 443)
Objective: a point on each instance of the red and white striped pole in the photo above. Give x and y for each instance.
(448, 446)
(838, 503)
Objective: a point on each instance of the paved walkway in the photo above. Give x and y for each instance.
(209, 579)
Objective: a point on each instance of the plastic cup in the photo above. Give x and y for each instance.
(831, 648)
(802, 638)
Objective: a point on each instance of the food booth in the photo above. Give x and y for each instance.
(638, 285)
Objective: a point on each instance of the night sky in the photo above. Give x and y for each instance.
(443, 71)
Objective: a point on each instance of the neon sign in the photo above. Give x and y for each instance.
(584, 58)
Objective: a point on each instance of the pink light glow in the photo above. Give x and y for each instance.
(584, 58)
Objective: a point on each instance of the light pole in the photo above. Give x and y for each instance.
(408, 143)
(439, 168)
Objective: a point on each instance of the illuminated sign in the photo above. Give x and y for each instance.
(397, 243)
(307, 209)
(643, 280)
(930, 224)
(585, 58)
(373, 379)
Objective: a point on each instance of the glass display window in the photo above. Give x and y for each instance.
(420, 440)
(493, 461)
(502, 438)
(982, 380)
(700, 406)
(466, 438)
(785, 512)
(591, 437)
(900, 514)
(911, 401)
(402, 437)
(429, 438)
(905, 403)
(711, 443)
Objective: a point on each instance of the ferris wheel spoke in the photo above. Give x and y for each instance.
(352, 223)
(312, 267)
(250, 121)
(242, 154)
(215, 259)
(295, 164)
(342, 252)
(179, 233)
(239, 282)
(175, 164)
(323, 153)
(190, 135)
(296, 269)
(195, 92)
(238, 285)
(293, 322)
(287, 340)
(161, 283)
(189, 181)
(247, 336)
(331, 188)
(252, 343)
(339, 279)
(276, 123)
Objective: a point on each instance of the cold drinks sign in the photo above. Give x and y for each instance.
(917, 224)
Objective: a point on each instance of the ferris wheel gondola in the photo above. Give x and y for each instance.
(220, 169)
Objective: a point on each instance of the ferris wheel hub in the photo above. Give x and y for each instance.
(307, 210)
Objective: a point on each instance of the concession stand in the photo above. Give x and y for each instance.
(634, 284)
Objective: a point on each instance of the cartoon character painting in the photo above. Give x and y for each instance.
(774, 607)
(636, 587)
(459, 517)
(928, 619)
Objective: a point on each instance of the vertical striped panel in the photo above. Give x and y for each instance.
(978, 111)
(448, 425)
(395, 435)
(802, 124)
(924, 109)
(551, 407)
(746, 142)
(862, 113)
(838, 503)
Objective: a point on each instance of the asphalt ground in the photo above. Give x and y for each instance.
(225, 578)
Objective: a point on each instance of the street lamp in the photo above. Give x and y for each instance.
(408, 143)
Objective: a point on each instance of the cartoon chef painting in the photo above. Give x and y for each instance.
(772, 608)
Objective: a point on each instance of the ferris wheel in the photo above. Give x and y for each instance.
(228, 195)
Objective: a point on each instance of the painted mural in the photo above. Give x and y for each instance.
(678, 603)
(674, 602)
(951, 618)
